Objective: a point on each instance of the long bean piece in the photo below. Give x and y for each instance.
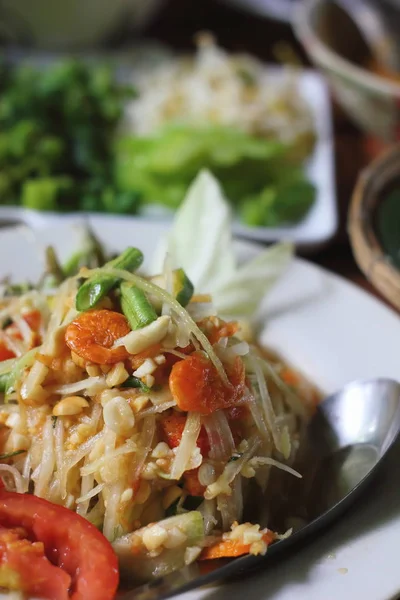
(136, 307)
(97, 287)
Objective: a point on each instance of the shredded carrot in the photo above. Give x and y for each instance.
(232, 548)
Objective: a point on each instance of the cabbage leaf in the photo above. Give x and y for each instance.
(200, 241)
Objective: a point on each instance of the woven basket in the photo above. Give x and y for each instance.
(367, 249)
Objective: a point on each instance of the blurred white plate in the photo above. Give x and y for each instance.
(334, 332)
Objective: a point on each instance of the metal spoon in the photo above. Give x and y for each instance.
(343, 445)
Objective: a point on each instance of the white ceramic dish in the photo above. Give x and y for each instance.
(334, 333)
(320, 224)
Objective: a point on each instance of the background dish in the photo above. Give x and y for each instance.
(320, 223)
(318, 322)
(369, 99)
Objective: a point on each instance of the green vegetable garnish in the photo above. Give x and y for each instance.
(135, 382)
(57, 125)
(288, 202)
(11, 454)
(136, 306)
(161, 167)
(97, 287)
(7, 322)
(46, 193)
(182, 287)
(4, 382)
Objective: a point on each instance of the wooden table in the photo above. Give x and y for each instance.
(235, 30)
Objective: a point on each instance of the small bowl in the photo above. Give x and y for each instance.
(374, 182)
(371, 101)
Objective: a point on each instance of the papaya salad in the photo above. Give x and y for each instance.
(135, 422)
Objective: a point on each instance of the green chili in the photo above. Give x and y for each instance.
(135, 382)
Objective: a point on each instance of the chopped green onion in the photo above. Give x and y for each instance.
(7, 322)
(11, 454)
(136, 306)
(4, 379)
(98, 286)
(135, 382)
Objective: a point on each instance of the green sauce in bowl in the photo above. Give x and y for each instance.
(387, 224)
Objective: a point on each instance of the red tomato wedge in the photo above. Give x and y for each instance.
(51, 552)
(172, 427)
(25, 567)
(33, 318)
(5, 353)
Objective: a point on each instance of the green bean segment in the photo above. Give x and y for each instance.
(97, 287)
(136, 306)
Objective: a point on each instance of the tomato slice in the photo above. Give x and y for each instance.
(84, 562)
(24, 567)
(33, 318)
(5, 353)
(172, 427)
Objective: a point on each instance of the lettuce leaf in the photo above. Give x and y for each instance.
(159, 169)
(200, 241)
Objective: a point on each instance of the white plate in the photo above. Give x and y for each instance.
(334, 332)
(321, 223)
